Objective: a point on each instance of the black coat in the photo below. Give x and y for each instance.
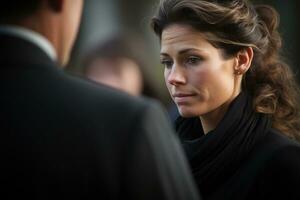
(243, 158)
(271, 171)
(63, 137)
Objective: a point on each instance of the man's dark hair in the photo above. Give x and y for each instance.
(14, 10)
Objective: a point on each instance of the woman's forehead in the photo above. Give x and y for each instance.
(183, 37)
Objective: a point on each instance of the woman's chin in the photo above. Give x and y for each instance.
(186, 113)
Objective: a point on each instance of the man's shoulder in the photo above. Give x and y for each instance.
(105, 99)
(87, 89)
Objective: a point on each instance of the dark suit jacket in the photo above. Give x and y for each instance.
(66, 137)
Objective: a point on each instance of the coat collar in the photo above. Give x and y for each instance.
(18, 51)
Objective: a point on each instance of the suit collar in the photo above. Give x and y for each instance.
(30, 36)
(16, 50)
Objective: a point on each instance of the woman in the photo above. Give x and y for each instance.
(238, 101)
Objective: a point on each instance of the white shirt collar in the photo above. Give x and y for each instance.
(32, 37)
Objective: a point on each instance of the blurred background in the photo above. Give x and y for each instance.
(106, 19)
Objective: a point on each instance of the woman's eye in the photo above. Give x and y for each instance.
(167, 63)
(193, 60)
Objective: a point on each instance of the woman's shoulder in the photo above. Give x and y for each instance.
(288, 151)
(279, 142)
(275, 157)
(281, 157)
(279, 174)
(279, 148)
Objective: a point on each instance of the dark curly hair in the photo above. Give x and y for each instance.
(232, 25)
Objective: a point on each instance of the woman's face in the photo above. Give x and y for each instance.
(198, 78)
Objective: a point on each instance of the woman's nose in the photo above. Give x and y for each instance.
(176, 76)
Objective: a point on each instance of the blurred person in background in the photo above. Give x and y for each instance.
(238, 100)
(64, 137)
(114, 63)
(117, 62)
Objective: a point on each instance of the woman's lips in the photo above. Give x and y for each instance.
(181, 98)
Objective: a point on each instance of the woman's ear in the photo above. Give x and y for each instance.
(244, 60)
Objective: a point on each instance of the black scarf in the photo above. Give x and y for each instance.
(216, 156)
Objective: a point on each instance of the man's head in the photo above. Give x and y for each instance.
(115, 62)
(57, 20)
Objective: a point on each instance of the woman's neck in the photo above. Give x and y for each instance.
(211, 120)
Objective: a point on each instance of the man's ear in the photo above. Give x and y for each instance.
(56, 5)
(244, 60)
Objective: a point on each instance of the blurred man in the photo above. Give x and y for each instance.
(63, 137)
(115, 63)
